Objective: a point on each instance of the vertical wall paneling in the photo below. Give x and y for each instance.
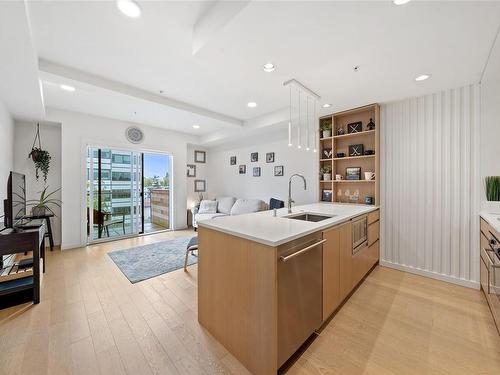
(430, 185)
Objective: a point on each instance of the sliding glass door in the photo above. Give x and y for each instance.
(114, 193)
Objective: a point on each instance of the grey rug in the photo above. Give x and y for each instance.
(144, 262)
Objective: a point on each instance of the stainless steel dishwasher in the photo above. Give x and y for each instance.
(300, 293)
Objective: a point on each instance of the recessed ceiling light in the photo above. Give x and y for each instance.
(252, 104)
(422, 77)
(129, 7)
(400, 2)
(326, 105)
(67, 87)
(269, 67)
(196, 126)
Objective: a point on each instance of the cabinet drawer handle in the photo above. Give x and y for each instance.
(293, 255)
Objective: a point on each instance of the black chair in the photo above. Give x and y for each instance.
(276, 203)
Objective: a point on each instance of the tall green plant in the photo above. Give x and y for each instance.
(492, 187)
(45, 200)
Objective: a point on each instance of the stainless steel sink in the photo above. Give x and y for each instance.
(307, 216)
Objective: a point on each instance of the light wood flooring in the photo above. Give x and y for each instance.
(91, 320)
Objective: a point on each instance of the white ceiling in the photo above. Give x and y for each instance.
(317, 43)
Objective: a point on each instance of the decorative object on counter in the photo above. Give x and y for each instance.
(369, 176)
(256, 171)
(347, 195)
(200, 157)
(356, 150)
(341, 154)
(370, 125)
(232, 160)
(326, 171)
(254, 157)
(492, 188)
(339, 177)
(270, 157)
(327, 195)
(191, 170)
(242, 169)
(41, 205)
(326, 128)
(340, 131)
(328, 153)
(41, 158)
(368, 199)
(355, 127)
(278, 170)
(354, 197)
(199, 186)
(369, 152)
(353, 173)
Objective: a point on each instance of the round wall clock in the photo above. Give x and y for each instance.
(134, 134)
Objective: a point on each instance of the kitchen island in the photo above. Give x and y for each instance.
(266, 283)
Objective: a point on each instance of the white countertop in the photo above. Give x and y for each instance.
(264, 228)
(492, 219)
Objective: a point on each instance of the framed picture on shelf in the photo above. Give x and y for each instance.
(254, 157)
(242, 169)
(278, 171)
(327, 195)
(232, 160)
(200, 157)
(353, 173)
(199, 186)
(270, 157)
(256, 171)
(356, 150)
(327, 153)
(191, 170)
(355, 127)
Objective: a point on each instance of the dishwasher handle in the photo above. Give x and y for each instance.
(293, 255)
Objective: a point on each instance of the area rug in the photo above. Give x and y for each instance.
(144, 262)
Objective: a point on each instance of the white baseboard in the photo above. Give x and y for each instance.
(71, 246)
(432, 275)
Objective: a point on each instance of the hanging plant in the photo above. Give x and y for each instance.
(40, 157)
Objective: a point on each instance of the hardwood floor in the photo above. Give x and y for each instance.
(91, 320)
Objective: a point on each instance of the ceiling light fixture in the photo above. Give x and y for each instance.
(67, 87)
(129, 7)
(326, 105)
(251, 105)
(400, 2)
(269, 67)
(422, 77)
(196, 126)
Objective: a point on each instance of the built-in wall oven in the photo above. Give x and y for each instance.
(490, 270)
(359, 233)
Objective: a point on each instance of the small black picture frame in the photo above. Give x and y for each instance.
(200, 156)
(279, 171)
(191, 170)
(355, 127)
(232, 160)
(270, 157)
(256, 171)
(254, 157)
(353, 173)
(242, 169)
(356, 150)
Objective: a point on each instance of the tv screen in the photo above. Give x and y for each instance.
(17, 196)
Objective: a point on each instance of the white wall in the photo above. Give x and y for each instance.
(202, 173)
(24, 133)
(490, 117)
(80, 130)
(225, 180)
(6, 152)
(430, 185)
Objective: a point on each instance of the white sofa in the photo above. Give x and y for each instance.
(225, 206)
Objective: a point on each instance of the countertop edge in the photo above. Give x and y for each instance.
(488, 218)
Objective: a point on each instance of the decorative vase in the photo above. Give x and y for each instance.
(327, 176)
(490, 207)
(38, 211)
(327, 133)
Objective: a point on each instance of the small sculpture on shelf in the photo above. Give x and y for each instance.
(340, 131)
(370, 125)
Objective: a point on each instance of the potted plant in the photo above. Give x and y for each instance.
(40, 157)
(326, 128)
(492, 189)
(42, 205)
(326, 171)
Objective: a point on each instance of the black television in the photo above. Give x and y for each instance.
(15, 204)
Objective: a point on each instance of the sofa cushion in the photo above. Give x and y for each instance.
(208, 207)
(201, 217)
(246, 206)
(224, 204)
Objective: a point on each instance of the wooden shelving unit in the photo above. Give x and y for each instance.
(340, 143)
